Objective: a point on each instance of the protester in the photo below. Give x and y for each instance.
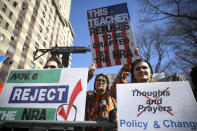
(141, 72)
(52, 63)
(175, 77)
(193, 75)
(101, 105)
(100, 102)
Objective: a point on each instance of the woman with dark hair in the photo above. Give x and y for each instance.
(52, 63)
(141, 72)
(99, 103)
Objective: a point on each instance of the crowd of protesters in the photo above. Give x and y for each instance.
(101, 103)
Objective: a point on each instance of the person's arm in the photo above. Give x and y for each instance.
(91, 71)
(121, 78)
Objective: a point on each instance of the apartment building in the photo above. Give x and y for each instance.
(29, 24)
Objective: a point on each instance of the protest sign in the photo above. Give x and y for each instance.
(54, 94)
(163, 106)
(111, 36)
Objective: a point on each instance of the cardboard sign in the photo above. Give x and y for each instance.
(54, 94)
(163, 106)
(111, 36)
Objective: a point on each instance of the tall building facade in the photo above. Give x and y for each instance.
(29, 24)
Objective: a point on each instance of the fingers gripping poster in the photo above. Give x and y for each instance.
(111, 36)
(54, 94)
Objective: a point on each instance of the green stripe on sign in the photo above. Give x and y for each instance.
(27, 114)
(34, 76)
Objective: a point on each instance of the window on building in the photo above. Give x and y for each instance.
(15, 4)
(45, 7)
(24, 7)
(40, 29)
(18, 25)
(10, 15)
(14, 36)
(38, 36)
(41, 61)
(32, 65)
(22, 58)
(21, 16)
(1, 19)
(50, 16)
(43, 14)
(49, 23)
(11, 48)
(4, 8)
(44, 44)
(2, 38)
(45, 36)
(6, 25)
(51, 10)
(30, 26)
(35, 11)
(25, 47)
(28, 37)
(42, 21)
(47, 30)
(36, 45)
(47, 1)
(37, 3)
(33, 19)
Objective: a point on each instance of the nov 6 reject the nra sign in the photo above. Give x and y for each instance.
(48, 94)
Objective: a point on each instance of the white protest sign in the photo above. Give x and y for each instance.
(54, 94)
(163, 106)
(111, 36)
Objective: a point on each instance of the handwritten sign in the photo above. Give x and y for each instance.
(54, 94)
(164, 106)
(111, 36)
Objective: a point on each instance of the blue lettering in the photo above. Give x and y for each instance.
(165, 123)
(122, 122)
(139, 124)
(39, 94)
(128, 124)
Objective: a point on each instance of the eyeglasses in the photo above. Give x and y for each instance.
(50, 66)
(101, 80)
(141, 67)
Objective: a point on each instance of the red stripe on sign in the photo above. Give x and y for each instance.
(116, 46)
(126, 45)
(106, 48)
(97, 50)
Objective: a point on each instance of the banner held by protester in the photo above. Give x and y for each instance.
(111, 36)
(44, 95)
(163, 106)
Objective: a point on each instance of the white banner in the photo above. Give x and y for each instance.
(111, 36)
(164, 106)
(54, 94)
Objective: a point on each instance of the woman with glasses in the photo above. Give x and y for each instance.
(99, 103)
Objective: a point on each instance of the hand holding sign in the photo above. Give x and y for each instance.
(91, 71)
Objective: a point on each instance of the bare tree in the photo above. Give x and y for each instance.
(154, 48)
(179, 20)
(164, 9)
